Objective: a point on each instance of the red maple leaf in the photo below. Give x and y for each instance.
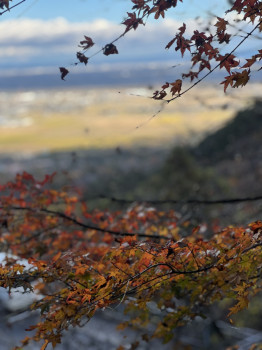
(87, 43)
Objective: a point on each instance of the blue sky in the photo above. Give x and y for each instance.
(112, 10)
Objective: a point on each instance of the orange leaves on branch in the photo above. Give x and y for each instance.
(85, 275)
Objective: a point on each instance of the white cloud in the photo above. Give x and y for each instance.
(27, 38)
(35, 42)
(36, 29)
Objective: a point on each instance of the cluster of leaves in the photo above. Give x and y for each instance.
(82, 261)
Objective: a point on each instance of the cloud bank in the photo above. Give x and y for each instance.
(34, 42)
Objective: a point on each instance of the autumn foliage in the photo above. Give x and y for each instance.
(80, 261)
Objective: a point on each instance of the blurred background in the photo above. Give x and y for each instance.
(100, 131)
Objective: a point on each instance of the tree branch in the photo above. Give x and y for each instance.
(82, 224)
(188, 201)
(10, 8)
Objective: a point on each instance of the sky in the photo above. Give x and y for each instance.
(42, 35)
(112, 10)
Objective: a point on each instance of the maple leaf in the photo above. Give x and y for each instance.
(139, 4)
(250, 62)
(159, 95)
(4, 4)
(199, 38)
(241, 79)
(132, 21)
(221, 24)
(82, 58)
(176, 87)
(87, 43)
(44, 346)
(228, 61)
(182, 45)
(182, 29)
(204, 64)
(171, 42)
(192, 75)
(223, 37)
(110, 49)
(64, 72)
(236, 79)
(165, 86)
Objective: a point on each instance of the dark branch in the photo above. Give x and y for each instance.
(82, 224)
(10, 8)
(187, 201)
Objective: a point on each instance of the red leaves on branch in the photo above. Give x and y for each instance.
(202, 46)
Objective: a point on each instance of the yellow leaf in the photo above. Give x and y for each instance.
(43, 347)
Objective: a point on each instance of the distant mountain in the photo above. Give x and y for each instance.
(146, 74)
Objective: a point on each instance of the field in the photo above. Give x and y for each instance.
(39, 121)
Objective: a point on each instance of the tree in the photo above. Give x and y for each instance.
(81, 261)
